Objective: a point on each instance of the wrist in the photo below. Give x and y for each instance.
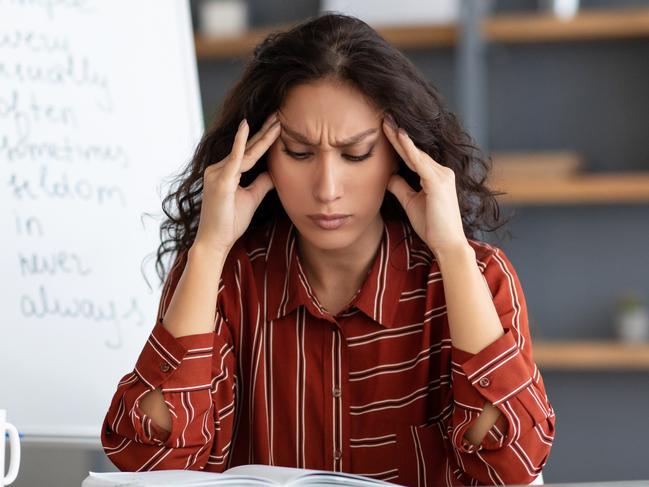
(455, 254)
(207, 255)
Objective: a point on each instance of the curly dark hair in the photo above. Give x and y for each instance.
(340, 47)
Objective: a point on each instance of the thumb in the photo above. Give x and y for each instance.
(401, 189)
(260, 186)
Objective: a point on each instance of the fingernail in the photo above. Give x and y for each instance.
(242, 123)
(390, 121)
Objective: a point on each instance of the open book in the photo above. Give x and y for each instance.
(243, 475)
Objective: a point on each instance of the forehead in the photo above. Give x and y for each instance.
(328, 105)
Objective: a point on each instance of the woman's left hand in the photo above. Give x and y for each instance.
(434, 211)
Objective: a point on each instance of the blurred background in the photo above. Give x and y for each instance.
(557, 93)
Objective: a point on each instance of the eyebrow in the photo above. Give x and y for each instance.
(344, 143)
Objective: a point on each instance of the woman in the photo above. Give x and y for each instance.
(329, 306)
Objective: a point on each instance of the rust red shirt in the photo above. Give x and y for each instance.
(377, 390)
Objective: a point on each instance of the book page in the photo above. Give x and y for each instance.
(301, 476)
(242, 475)
(320, 478)
(163, 478)
(275, 474)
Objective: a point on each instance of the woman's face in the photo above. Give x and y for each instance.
(318, 169)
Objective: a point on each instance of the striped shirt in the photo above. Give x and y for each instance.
(377, 390)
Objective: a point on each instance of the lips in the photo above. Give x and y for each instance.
(329, 222)
(332, 216)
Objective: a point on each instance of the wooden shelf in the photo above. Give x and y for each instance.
(591, 355)
(230, 46)
(586, 25)
(511, 28)
(594, 188)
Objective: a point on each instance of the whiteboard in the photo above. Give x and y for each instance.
(99, 108)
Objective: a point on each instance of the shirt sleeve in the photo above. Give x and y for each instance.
(196, 375)
(504, 374)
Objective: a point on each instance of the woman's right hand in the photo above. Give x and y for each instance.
(227, 208)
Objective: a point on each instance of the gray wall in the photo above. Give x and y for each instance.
(601, 426)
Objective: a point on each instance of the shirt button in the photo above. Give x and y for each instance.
(336, 391)
(484, 382)
(338, 455)
(164, 367)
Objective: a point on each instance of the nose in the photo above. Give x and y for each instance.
(327, 184)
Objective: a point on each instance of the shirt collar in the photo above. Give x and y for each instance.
(378, 297)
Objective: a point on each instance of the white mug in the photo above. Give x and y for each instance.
(14, 441)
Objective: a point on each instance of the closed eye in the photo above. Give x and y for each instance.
(305, 155)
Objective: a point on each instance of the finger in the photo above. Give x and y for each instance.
(401, 189)
(233, 167)
(252, 156)
(260, 186)
(418, 157)
(391, 134)
(267, 124)
(264, 128)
